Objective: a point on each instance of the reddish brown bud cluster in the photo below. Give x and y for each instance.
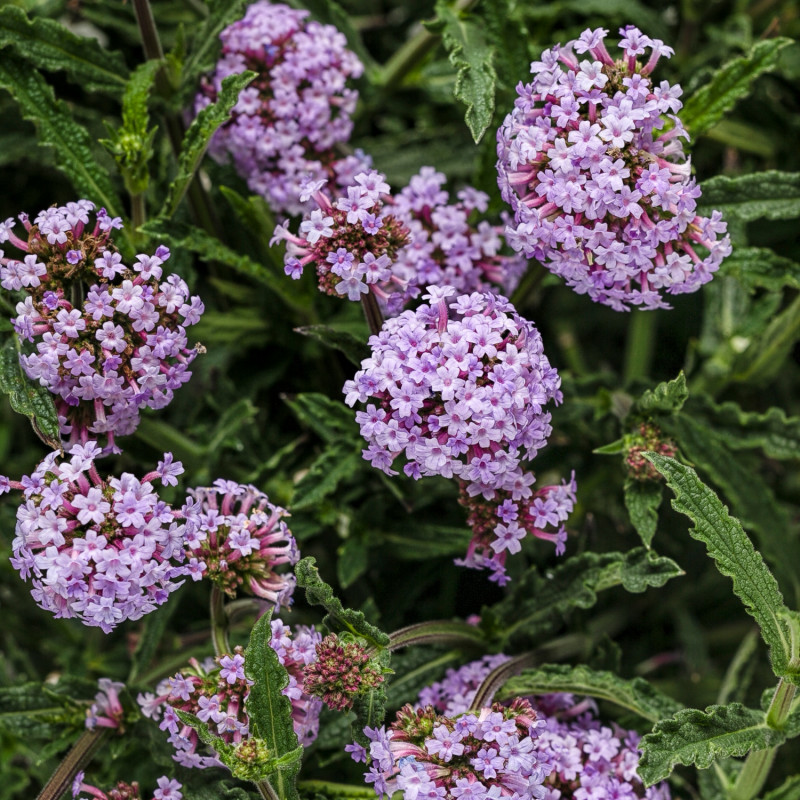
(649, 439)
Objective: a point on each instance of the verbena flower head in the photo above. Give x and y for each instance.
(216, 692)
(648, 438)
(585, 758)
(352, 241)
(238, 539)
(458, 387)
(488, 753)
(597, 177)
(102, 551)
(288, 120)
(342, 670)
(168, 789)
(499, 525)
(446, 246)
(110, 338)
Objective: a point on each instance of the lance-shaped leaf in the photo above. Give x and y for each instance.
(642, 499)
(28, 397)
(665, 398)
(761, 268)
(338, 461)
(319, 593)
(71, 143)
(473, 58)
(636, 695)
(199, 134)
(735, 556)
(55, 48)
(761, 195)
(354, 348)
(729, 84)
(328, 419)
(701, 737)
(537, 605)
(788, 790)
(270, 711)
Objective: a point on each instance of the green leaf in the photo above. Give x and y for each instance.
(270, 711)
(370, 708)
(318, 593)
(52, 47)
(473, 58)
(666, 398)
(735, 557)
(337, 462)
(636, 695)
(28, 397)
(728, 85)
(352, 562)
(42, 711)
(761, 268)
(537, 605)
(642, 499)
(199, 134)
(788, 790)
(701, 737)
(71, 143)
(328, 418)
(612, 449)
(354, 348)
(153, 629)
(760, 195)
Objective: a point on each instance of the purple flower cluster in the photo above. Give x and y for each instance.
(460, 397)
(445, 247)
(167, 790)
(288, 120)
(352, 241)
(102, 551)
(237, 538)
(110, 339)
(482, 755)
(216, 692)
(598, 180)
(107, 710)
(500, 525)
(586, 759)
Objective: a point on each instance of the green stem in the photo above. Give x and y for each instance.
(219, 622)
(266, 790)
(437, 632)
(138, 210)
(639, 347)
(372, 312)
(758, 763)
(497, 677)
(76, 759)
(335, 789)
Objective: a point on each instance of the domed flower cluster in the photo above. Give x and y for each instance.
(598, 180)
(445, 247)
(167, 790)
(460, 397)
(110, 339)
(102, 551)
(287, 121)
(479, 755)
(352, 241)
(237, 538)
(343, 669)
(216, 693)
(586, 759)
(500, 525)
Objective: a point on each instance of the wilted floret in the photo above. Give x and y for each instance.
(110, 338)
(168, 789)
(288, 120)
(459, 389)
(238, 539)
(102, 551)
(591, 161)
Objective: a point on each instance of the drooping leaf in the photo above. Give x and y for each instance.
(355, 349)
(319, 593)
(788, 790)
(701, 737)
(665, 398)
(270, 711)
(327, 418)
(55, 48)
(28, 397)
(473, 58)
(199, 134)
(728, 85)
(71, 143)
(338, 461)
(735, 557)
(761, 268)
(537, 605)
(642, 499)
(637, 695)
(760, 195)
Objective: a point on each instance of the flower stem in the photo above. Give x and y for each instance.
(76, 759)
(219, 622)
(372, 312)
(639, 348)
(437, 632)
(331, 789)
(138, 210)
(267, 792)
